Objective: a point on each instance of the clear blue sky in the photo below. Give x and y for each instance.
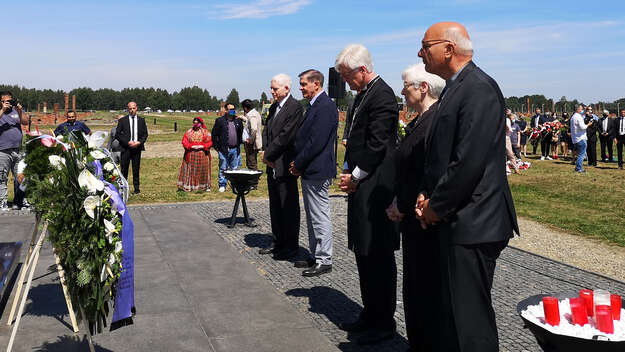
(557, 48)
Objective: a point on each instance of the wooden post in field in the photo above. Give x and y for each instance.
(45, 107)
(38, 107)
(74, 102)
(175, 126)
(66, 103)
(528, 106)
(56, 112)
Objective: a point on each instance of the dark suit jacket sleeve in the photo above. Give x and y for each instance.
(143, 136)
(383, 116)
(123, 133)
(479, 123)
(215, 133)
(286, 136)
(318, 137)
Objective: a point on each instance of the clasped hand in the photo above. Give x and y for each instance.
(393, 212)
(346, 184)
(424, 213)
(293, 170)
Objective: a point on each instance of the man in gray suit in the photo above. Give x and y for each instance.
(315, 162)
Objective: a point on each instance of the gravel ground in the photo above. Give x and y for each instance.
(584, 253)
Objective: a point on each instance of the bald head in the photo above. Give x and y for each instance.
(446, 48)
(132, 108)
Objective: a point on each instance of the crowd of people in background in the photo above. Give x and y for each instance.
(569, 137)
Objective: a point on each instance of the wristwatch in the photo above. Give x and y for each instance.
(354, 180)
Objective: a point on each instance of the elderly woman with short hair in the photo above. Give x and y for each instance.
(420, 249)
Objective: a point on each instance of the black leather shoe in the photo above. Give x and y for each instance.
(304, 263)
(285, 254)
(266, 250)
(355, 326)
(317, 270)
(137, 191)
(374, 337)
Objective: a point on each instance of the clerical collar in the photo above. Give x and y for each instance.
(453, 78)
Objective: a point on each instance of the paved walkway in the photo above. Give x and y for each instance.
(200, 286)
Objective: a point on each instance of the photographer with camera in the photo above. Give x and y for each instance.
(11, 119)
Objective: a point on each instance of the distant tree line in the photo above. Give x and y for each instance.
(546, 104)
(188, 98)
(196, 98)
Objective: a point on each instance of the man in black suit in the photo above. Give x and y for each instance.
(619, 136)
(537, 121)
(465, 196)
(606, 133)
(369, 182)
(284, 118)
(315, 162)
(132, 133)
(591, 133)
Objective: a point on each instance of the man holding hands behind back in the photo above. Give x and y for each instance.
(315, 162)
(465, 196)
(369, 182)
(284, 118)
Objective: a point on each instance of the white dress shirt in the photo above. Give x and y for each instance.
(578, 128)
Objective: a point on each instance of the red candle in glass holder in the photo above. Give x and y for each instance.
(587, 295)
(603, 316)
(552, 310)
(616, 303)
(578, 311)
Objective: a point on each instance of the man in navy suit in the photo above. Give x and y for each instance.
(315, 162)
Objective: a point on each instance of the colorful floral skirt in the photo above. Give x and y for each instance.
(195, 174)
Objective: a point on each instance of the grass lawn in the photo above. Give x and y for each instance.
(590, 204)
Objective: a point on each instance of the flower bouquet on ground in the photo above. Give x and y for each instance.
(75, 186)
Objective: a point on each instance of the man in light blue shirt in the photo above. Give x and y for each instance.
(578, 135)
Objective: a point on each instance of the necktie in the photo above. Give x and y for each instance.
(132, 128)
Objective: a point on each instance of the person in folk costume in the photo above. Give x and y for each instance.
(195, 171)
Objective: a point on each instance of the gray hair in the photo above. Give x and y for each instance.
(416, 74)
(312, 75)
(282, 79)
(463, 44)
(354, 56)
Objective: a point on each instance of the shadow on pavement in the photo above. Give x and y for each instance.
(338, 307)
(48, 300)
(68, 343)
(258, 240)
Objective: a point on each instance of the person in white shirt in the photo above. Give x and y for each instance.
(252, 130)
(578, 135)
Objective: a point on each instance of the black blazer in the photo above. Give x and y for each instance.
(610, 130)
(409, 163)
(314, 143)
(371, 146)
(219, 134)
(591, 131)
(465, 174)
(123, 132)
(541, 120)
(279, 136)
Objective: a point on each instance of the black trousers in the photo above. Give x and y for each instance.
(377, 273)
(516, 151)
(135, 157)
(606, 142)
(284, 211)
(545, 145)
(467, 278)
(620, 141)
(591, 151)
(420, 280)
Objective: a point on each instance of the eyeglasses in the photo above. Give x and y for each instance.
(426, 44)
(349, 73)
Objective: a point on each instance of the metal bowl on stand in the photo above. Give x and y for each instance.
(242, 181)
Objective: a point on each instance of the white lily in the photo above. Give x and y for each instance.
(103, 273)
(97, 154)
(111, 259)
(115, 172)
(90, 203)
(108, 166)
(118, 246)
(87, 180)
(56, 161)
(110, 230)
